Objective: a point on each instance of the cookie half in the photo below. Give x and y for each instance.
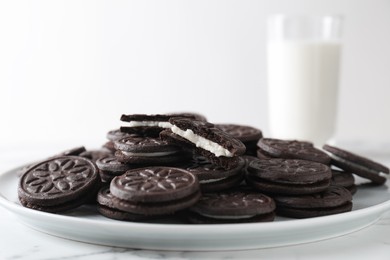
(206, 140)
(152, 125)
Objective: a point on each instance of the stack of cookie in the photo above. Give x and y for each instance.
(180, 164)
(185, 143)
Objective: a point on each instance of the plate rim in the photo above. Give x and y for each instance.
(376, 211)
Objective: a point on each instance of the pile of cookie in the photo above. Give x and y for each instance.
(180, 165)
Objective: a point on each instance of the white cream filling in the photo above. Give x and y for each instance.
(156, 154)
(162, 124)
(228, 217)
(202, 142)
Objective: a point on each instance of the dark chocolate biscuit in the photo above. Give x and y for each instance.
(110, 167)
(292, 149)
(313, 212)
(206, 140)
(116, 134)
(335, 199)
(148, 150)
(288, 176)
(152, 125)
(234, 206)
(269, 187)
(357, 164)
(342, 178)
(95, 155)
(106, 208)
(111, 164)
(243, 133)
(212, 177)
(262, 155)
(109, 146)
(248, 135)
(73, 151)
(58, 181)
(154, 184)
(191, 115)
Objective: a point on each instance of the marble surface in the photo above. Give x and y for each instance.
(21, 242)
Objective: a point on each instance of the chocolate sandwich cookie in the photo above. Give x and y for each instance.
(248, 135)
(292, 149)
(113, 135)
(233, 206)
(205, 140)
(152, 125)
(335, 199)
(212, 177)
(154, 191)
(147, 150)
(95, 155)
(106, 208)
(343, 179)
(357, 164)
(261, 155)
(288, 176)
(59, 184)
(110, 167)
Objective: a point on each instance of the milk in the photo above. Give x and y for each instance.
(302, 89)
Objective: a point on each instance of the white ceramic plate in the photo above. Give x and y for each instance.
(86, 225)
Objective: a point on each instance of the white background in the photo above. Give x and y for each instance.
(69, 69)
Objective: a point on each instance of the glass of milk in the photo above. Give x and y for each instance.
(303, 56)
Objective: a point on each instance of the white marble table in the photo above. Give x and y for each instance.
(21, 242)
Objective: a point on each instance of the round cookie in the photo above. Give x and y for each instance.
(292, 149)
(154, 184)
(343, 179)
(110, 167)
(58, 184)
(212, 177)
(154, 190)
(147, 150)
(335, 199)
(357, 164)
(233, 206)
(248, 135)
(288, 176)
